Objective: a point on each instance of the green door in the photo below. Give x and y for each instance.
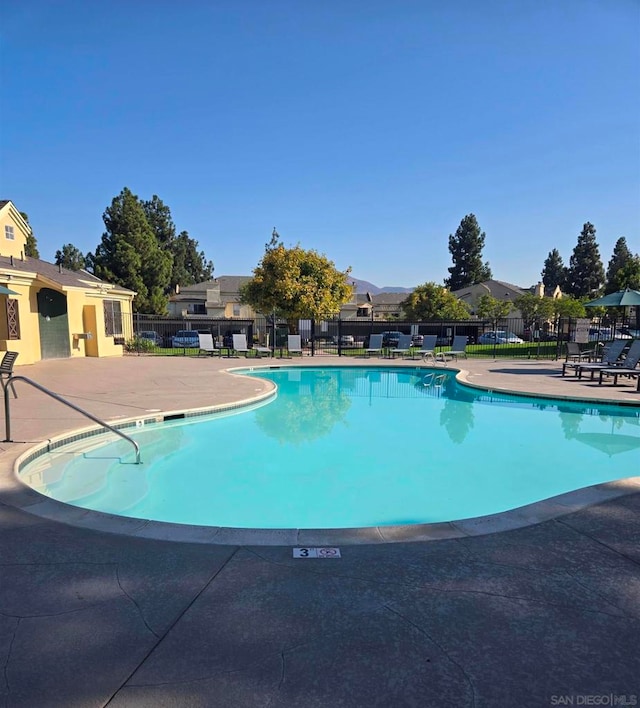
(54, 324)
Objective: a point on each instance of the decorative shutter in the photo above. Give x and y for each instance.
(13, 319)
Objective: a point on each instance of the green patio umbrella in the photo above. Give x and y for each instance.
(622, 298)
(6, 291)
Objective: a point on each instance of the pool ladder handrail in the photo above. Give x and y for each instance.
(7, 414)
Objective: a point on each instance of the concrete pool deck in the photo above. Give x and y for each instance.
(532, 616)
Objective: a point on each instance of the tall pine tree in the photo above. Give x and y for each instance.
(70, 257)
(466, 252)
(31, 244)
(131, 256)
(619, 259)
(553, 272)
(189, 265)
(585, 275)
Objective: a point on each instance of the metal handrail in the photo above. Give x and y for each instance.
(7, 413)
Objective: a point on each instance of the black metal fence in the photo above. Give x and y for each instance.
(339, 337)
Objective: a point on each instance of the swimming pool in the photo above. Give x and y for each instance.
(349, 447)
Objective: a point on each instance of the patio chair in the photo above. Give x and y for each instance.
(404, 346)
(458, 349)
(294, 344)
(610, 356)
(262, 351)
(428, 348)
(574, 353)
(6, 370)
(240, 344)
(207, 347)
(627, 367)
(375, 345)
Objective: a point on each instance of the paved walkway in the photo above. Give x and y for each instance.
(547, 614)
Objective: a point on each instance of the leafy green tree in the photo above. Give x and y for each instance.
(491, 308)
(189, 265)
(568, 306)
(535, 310)
(131, 256)
(466, 252)
(433, 302)
(296, 284)
(585, 275)
(31, 244)
(619, 258)
(70, 257)
(554, 272)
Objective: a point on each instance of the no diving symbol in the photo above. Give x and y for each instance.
(316, 553)
(328, 552)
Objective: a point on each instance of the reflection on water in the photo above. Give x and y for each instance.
(612, 442)
(307, 408)
(457, 420)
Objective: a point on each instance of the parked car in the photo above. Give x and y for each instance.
(538, 335)
(151, 336)
(185, 339)
(346, 340)
(390, 339)
(605, 334)
(417, 340)
(499, 336)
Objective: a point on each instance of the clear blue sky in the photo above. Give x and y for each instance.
(363, 129)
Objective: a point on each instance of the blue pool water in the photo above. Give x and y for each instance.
(350, 447)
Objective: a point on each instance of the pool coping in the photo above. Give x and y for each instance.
(31, 501)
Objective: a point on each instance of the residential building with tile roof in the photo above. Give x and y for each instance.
(47, 311)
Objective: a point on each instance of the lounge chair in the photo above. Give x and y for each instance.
(207, 347)
(458, 349)
(404, 346)
(574, 353)
(428, 348)
(240, 344)
(375, 345)
(610, 356)
(294, 344)
(262, 351)
(6, 370)
(627, 367)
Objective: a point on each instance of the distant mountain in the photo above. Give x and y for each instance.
(364, 286)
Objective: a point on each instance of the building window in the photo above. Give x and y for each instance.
(236, 310)
(112, 318)
(13, 320)
(363, 312)
(9, 233)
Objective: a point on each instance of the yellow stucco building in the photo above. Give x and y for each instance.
(49, 312)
